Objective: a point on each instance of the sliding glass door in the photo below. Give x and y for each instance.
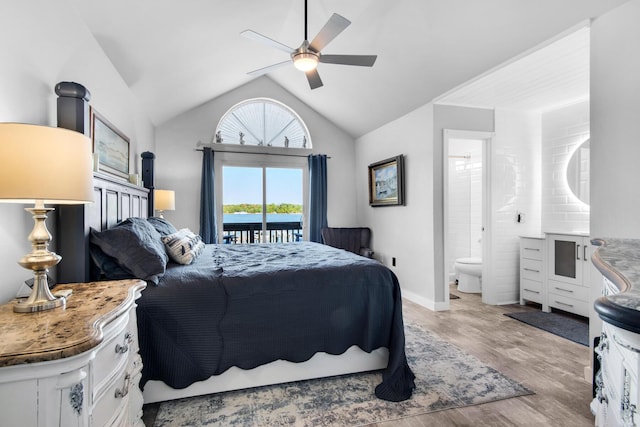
(262, 204)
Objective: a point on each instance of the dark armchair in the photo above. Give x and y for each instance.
(354, 239)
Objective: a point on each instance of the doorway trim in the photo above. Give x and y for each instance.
(486, 138)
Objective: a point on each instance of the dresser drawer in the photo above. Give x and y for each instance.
(531, 290)
(531, 248)
(113, 355)
(111, 405)
(568, 304)
(531, 269)
(568, 290)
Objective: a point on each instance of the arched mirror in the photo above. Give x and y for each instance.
(578, 172)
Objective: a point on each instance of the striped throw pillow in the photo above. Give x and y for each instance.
(183, 246)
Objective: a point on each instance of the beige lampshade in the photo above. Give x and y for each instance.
(164, 200)
(40, 163)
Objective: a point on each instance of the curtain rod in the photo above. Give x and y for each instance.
(268, 154)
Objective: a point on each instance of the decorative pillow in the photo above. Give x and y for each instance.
(162, 226)
(184, 246)
(136, 246)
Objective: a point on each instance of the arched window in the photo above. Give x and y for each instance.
(262, 122)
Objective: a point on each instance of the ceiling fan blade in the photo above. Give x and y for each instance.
(314, 79)
(268, 69)
(266, 40)
(359, 60)
(334, 26)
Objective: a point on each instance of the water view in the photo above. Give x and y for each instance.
(244, 218)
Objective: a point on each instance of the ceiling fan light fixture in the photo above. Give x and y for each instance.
(305, 61)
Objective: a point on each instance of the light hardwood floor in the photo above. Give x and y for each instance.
(550, 366)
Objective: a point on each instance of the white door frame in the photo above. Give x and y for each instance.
(485, 137)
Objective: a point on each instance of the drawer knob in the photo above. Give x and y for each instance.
(125, 388)
(121, 349)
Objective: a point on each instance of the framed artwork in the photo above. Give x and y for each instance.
(110, 146)
(386, 182)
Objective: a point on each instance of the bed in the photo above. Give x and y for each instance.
(241, 316)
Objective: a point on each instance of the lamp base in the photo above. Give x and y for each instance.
(39, 260)
(31, 307)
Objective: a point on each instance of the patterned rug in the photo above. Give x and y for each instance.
(446, 377)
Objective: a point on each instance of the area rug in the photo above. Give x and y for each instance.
(566, 326)
(446, 377)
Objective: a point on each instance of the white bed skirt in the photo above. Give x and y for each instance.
(320, 365)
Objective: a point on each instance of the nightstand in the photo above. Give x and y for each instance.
(73, 366)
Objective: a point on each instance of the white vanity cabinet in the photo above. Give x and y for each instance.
(73, 366)
(532, 277)
(568, 266)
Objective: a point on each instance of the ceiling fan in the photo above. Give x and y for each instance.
(307, 56)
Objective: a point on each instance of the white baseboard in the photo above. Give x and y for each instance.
(425, 302)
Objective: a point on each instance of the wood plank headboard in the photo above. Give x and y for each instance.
(114, 201)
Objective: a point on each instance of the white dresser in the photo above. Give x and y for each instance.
(618, 352)
(77, 366)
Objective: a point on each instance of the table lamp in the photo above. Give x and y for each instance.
(43, 165)
(165, 200)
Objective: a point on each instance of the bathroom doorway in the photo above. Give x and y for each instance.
(466, 196)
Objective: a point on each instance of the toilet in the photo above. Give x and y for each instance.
(469, 272)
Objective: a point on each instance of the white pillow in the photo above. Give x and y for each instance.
(183, 246)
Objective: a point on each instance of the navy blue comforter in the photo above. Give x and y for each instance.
(247, 305)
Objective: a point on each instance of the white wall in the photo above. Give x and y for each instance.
(563, 130)
(404, 232)
(615, 130)
(43, 43)
(178, 165)
(515, 188)
(615, 123)
(413, 233)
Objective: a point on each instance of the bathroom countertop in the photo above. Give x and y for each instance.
(533, 236)
(569, 233)
(544, 234)
(619, 261)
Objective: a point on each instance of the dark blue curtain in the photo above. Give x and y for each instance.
(317, 196)
(208, 220)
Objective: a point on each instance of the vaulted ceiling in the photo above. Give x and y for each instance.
(177, 55)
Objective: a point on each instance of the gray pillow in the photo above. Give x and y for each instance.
(162, 226)
(136, 246)
(108, 266)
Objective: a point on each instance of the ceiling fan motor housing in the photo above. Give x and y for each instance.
(305, 58)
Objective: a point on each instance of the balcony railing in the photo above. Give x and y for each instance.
(251, 232)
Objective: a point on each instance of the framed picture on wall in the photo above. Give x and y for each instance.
(386, 182)
(110, 146)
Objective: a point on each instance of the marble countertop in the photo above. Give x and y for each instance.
(64, 332)
(619, 261)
